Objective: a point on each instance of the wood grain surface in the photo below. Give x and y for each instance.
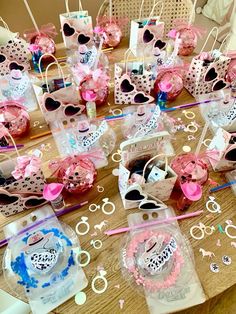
(108, 256)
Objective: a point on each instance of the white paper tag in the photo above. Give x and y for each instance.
(156, 174)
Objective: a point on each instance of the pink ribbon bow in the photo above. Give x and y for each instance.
(48, 29)
(180, 24)
(26, 166)
(99, 76)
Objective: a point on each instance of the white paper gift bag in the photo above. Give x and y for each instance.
(77, 27)
(133, 82)
(146, 148)
(224, 144)
(146, 31)
(205, 77)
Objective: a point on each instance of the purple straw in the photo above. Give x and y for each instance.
(191, 104)
(57, 214)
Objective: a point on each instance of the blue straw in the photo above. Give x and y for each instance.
(223, 186)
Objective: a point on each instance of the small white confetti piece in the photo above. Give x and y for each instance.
(117, 286)
(218, 242)
(121, 303)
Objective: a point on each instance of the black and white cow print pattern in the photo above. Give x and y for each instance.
(194, 81)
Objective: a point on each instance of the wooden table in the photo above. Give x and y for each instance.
(108, 256)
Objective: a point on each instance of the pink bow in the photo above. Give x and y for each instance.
(99, 76)
(26, 166)
(99, 30)
(180, 24)
(48, 29)
(65, 163)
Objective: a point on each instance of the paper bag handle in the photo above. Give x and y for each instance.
(39, 64)
(100, 9)
(217, 34)
(31, 16)
(60, 72)
(153, 7)
(126, 56)
(151, 13)
(13, 141)
(227, 45)
(153, 158)
(68, 9)
(4, 23)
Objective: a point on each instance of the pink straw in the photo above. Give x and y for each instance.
(153, 223)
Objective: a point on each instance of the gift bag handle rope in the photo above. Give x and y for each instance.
(153, 158)
(126, 56)
(68, 9)
(13, 141)
(152, 10)
(101, 7)
(39, 65)
(208, 37)
(227, 45)
(31, 16)
(60, 73)
(4, 23)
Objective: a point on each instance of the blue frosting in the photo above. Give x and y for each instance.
(19, 267)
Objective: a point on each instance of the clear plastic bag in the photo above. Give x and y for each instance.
(39, 261)
(158, 262)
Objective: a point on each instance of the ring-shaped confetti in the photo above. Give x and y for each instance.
(109, 204)
(100, 189)
(78, 254)
(192, 128)
(116, 157)
(102, 277)
(116, 112)
(82, 222)
(93, 207)
(97, 244)
(207, 142)
(227, 231)
(189, 114)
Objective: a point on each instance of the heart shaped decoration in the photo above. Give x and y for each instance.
(219, 85)
(15, 66)
(160, 44)
(83, 39)
(126, 86)
(44, 261)
(71, 110)
(7, 199)
(141, 98)
(231, 155)
(2, 58)
(68, 30)
(147, 36)
(34, 202)
(151, 205)
(134, 194)
(211, 75)
(50, 103)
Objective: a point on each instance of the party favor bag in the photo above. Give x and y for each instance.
(224, 143)
(21, 183)
(206, 76)
(13, 54)
(133, 82)
(146, 31)
(62, 103)
(77, 28)
(146, 148)
(42, 260)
